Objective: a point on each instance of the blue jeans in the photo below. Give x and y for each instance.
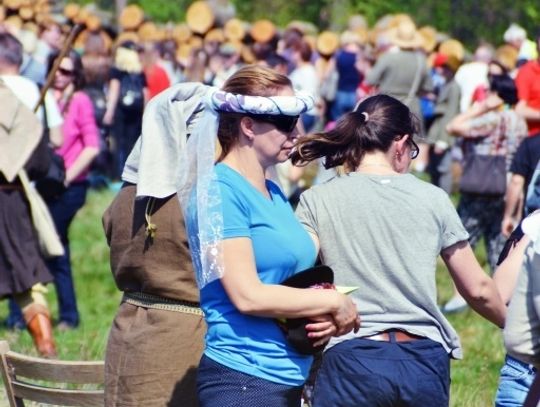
(344, 102)
(219, 385)
(363, 372)
(514, 383)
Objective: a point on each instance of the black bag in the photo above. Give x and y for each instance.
(52, 184)
(132, 92)
(484, 175)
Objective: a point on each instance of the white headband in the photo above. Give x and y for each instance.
(197, 176)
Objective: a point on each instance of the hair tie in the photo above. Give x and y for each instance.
(366, 116)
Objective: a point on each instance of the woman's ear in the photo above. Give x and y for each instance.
(401, 144)
(246, 127)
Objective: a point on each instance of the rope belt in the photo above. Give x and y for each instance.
(166, 304)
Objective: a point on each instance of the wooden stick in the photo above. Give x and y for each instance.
(63, 52)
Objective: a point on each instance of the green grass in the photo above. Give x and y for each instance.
(474, 379)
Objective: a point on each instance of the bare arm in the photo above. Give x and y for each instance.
(82, 162)
(527, 112)
(112, 100)
(506, 275)
(461, 124)
(512, 203)
(252, 297)
(473, 284)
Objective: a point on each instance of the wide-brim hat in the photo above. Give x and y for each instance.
(405, 35)
(429, 35)
(452, 47)
(310, 277)
(327, 43)
(295, 328)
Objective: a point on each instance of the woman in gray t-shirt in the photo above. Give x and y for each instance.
(382, 229)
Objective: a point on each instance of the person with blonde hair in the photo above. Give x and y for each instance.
(126, 96)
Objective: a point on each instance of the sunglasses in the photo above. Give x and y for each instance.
(66, 72)
(284, 123)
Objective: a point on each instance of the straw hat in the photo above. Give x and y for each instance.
(452, 47)
(235, 29)
(349, 37)
(200, 17)
(397, 19)
(429, 36)
(327, 43)
(405, 35)
(263, 30)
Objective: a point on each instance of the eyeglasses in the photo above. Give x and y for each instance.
(66, 72)
(283, 123)
(415, 150)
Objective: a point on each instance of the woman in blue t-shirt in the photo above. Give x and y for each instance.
(245, 241)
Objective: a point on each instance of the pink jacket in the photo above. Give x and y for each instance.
(79, 128)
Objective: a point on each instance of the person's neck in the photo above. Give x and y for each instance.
(9, 70)
(376, 163)
(247, 165)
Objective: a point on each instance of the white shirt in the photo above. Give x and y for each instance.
(28, 93)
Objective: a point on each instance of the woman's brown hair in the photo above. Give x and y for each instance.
(251, 80)
(373, 125)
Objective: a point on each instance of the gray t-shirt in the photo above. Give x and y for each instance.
(383, 233)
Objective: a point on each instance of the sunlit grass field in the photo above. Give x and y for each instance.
(474, 379)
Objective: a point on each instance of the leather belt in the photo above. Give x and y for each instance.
(399, 336)
(11, 186)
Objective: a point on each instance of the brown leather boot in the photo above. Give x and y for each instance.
(38, 322)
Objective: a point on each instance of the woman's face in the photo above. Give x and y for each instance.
(271, 144)
(64, 75)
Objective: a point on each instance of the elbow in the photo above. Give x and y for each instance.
(246, 305)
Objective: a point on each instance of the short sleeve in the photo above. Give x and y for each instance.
(54, 117)
(453, 230)
(115, 73)
(236, 219)
(520, 163)
(305, 214)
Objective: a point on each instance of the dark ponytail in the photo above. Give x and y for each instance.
(372, 126)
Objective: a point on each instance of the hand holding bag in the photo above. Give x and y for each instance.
(49, 242)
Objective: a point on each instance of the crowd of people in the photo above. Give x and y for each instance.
(211, 217)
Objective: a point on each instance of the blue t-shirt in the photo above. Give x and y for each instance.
(250, 344)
